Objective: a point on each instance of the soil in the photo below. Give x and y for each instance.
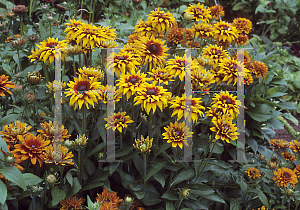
(283, 134)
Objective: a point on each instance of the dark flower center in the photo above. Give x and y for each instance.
(225, 127)
(52, 45)
(121, 58)
(107, 201)
(199, 10)
(33, 146)
(133, 80)
(151, 92)
(228, 101)
(153, 48)
(177, 133)
(286, 175)
(82, 87)
(234, 66)
(182, 62)
(225, 27)
(71, 208)
(217, 52)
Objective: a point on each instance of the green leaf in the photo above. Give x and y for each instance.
(286, 105)
(234, 205)
(170, 205)
(96, 179)
(31, 179)
(201, 189)
(124, 151)
(69, 177)
(275, 124)
(57, 195)
(253, 144)
(160, 178)
(42, 31)
(3, 193)
(14, 175)
(214, 197)
(271, 91)
(125, 26)
(290, 117)
(263, 198)
(8, 119)
(183, 175)
(101, 127)
(98, 148)
(170, 196)
(218, 149)
(3, 145)
(76, 187)
(243, 186)
(156, 168)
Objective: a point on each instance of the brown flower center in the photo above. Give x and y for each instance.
(225, 27)
(177, 133)
(33, 146)
(225, 127)
(217, 52)
(234, 66)
(228, 101)
(71, 208)
(153, 48)
(132, 80)
(82, 88)
(286, 175)
(151, 92)
(121, 58)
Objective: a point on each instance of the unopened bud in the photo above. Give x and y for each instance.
(128, 200)
(30, 97)
(187, 16)
(262, 157)
(51, 179)
(34, 188)
(185, 193)
(289, 192)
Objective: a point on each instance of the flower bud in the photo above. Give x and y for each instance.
(274, 158)
(9, 159)
(187, 16)
(44, 6)
(128, 200)
(32, 37)
(68, 143)
(18, 88)
(289, 192)
(30, 97)
(262, 157)
(34, 188)
(50, 17)
(5, 31)
(273, 165)
(34, 78)
(185, 193)
(51, 179)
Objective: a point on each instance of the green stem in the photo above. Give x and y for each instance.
(20, 66)
(90, 11)
(150, 124)
(121, 140)
(84, 123)
(206, 161)
(93, 17)
(23, 111)
(80, 165)
(50, 29)
(79, 57)
(81, 9)
(34, 109)
(21, 25)
(91, 58)
(145, 170)
(74, 67)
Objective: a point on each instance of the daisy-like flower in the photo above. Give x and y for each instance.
(198, 12)
(224, 129)
(72, 28)
(203, 61)
(144, 145)
(160, 75)
(217, 11)
(242, 39)
(214, 112)
(14, 130)
(91, 72)
(253, 172)
(145, 29)
(243, 25)
(201, 78)
(245, 56)
(51, 131)
(152, 51)
(130, 83)
(108, 94)
(58, 155)
(177, 134)
(227, 102)
(83, 90)
(229, 68)
(109, 197)
(279, 143)
(122, 62)
(108, 206)
(224, 31)
(135, 53)
(55, 84)
(248, 79)
(183, 105)
(177, 66)
(72, 203)
(132, 38)
(175, 35)
(161, 21)
(4, 84)
(259, 69)
(288, 156)
(203, 30)
(283, 176)
(295, 146)
(192, 44)
(152, 96)
(297, 170)
(46, 51)
(215, 53)
(117, 121)
(32, 147)
(75, 50)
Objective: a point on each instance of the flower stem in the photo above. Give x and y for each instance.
(90, 11)
(21, 25)
(150, 124)
(74, 67)
(20, 66)
(23, 111)
(81, 9)
(84, 119)
(145, 170)
(91, 58)
(93, 17)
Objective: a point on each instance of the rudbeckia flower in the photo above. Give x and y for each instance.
(253, 172)
(259, 69)
(161, 21)
(117, 121)
(72, 203)
(224, 32)
(215, 53)
(227, 102)
(198, 12)
(283, 176)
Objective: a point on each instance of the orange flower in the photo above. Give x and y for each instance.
(253, 172)
(13, 130)
(58, 155)
(52, 130)
(295, 146)
(72, 203)
(283, 176)
(109, 197)
(288, 156)
(32, 147)
(4, 84)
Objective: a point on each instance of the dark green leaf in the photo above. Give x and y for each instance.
(3, 145)
(75, 188)
(96, 179)
(170, 205)
(201, 189)
(183, 176)
(170, 196)
(234, 205)
(124, 151)
(31, 179)
(275, 124)
(8, 119)
(14, 175)
(243, 186)
(160, 178)
(214, 198)
(290, 117)
(57, 195)
(156, 168)
(263, 198)
(101, 127)
(286, 105)
(69, 177)
(253, 144)
(98, 148)
(3, 193)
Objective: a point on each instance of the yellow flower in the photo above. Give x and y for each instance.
(224, 129)
(199, 12)
(201, 78)
(214, 112)
(161, 21)
(117, 121)
(55, 84)
(215, 53)
(288, 156)
(91, 72)
(83, 90)
(58, 155)
(46, 51)
(135, 53)
(242, 39)
(4, 84)
(129, 84)
(144, 145)
(145, 29)
(224, 31)
(283, 176)
(72, 203)
(152, 51)
(72, 28)
(259, 69)
(227, 102)
(109, 197)
(243, 25)
(297, 170)
(280, 143)
(160, 75)
(177, 134)
(185, 105)
(245, 56)
(175, 35)
(80, 140)
(295, 146)
(108, 94)
(13, 131)
(263, 208)
(217, 11)
(203, 30)
(253, 172)
(152, 96)
(122, 62)
(51, 131)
